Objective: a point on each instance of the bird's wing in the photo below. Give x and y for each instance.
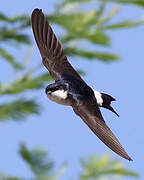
(50, 48)
(90, 113)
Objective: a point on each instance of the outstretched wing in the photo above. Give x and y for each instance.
(89, 112)
(50, 48)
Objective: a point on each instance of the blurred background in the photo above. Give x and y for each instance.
(41, 140)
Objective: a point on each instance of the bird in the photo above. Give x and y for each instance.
(69, 88)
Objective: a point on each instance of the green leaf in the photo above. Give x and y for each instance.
(125, 24)
(96, 37)
(12, 34)
(37, 160)
(76, 1)
(22, 84)
(5, 177)
(44, 78)
(15, 19)
(97, 167)
(134, 2)
(75, 22)
(18, 109)
(107, 17)
(10, 59)
(78, 27)
(103, 56)
(93, 37)
(68, 21)
(120, 171)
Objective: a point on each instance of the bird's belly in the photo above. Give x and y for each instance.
(60, 97)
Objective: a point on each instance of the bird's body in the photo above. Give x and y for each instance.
(69, 88)
(61, 97)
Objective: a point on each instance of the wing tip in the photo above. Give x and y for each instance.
(36, 10)
(129, 159)
(35, 13)
(126, 156)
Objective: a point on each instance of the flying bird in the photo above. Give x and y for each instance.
(69, 88)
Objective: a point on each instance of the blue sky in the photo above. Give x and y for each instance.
(58, 129)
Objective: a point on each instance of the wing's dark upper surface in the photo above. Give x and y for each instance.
(50, 48)
(89, 112)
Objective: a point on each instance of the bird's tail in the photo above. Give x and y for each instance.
(107, 99)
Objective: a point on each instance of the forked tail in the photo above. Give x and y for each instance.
(107, 99)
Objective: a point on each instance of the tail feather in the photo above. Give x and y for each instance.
(107, 99)
(111, 109)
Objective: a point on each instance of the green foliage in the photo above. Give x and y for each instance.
(76, 1)
(13, 35)
(93, 37)
(20, 19)
(91, 26)
(133, 2)
(37, 160)
(79, 26)
(9, 58)
(4, 177)
(18, 109)
(22, 84)
(91, 55)
(125, 24)
(97, 167)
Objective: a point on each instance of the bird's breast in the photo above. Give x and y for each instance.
(59, 96)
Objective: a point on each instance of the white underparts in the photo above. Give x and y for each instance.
(60, 97)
